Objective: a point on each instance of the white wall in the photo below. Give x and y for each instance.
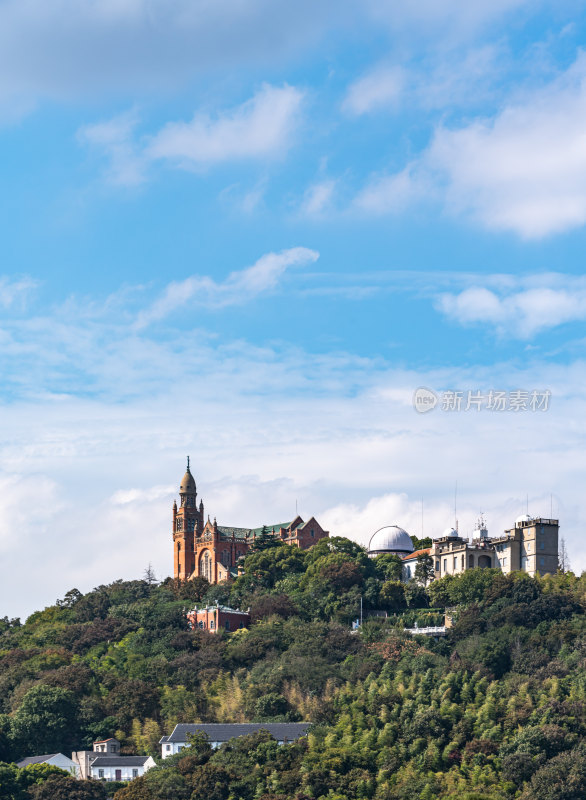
(63, 762)
(127, 772)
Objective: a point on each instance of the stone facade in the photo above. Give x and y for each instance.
(206, 549)
(530, 546)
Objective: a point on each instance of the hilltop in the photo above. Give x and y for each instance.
(494, 710)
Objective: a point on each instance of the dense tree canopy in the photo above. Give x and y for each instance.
(496, 710)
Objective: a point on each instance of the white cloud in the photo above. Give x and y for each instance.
(522, 171)
(240, 286)
(115, 138)
(318, 198)
(392, 194)
(15, 291)
(100, 418)
(531, 306)
(380, 88)
(259, 128)
(525, 170)
(263, 436)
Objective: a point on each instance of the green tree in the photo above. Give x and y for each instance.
(65, 787)
(562, 778)
(137, 789)
(424, 571)
(12, 785)
(392, 596)
(46, 721)
(389, 567)
(210, 782)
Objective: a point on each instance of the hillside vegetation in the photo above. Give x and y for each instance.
(494, 711)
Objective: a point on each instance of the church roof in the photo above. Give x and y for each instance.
(227, 531)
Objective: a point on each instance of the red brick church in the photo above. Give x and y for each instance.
(206, 549)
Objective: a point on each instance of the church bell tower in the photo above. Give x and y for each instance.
(187, 519)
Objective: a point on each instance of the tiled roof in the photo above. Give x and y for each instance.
(227, 531)
(220, 732)
(417, 553)
(26, 762)
(120, 761)
(238, 533)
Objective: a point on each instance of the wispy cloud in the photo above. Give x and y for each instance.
(16, 291)
(318, 198)
(239, 287)
(382, 87)
(259, 128)
(115, 138)
(523, 171)
(262, 128)
(393, 194)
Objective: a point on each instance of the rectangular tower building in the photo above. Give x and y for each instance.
(537, 541)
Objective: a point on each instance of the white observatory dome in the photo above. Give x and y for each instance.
(451, 533)
(390, 539)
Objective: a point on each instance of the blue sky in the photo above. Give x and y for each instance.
(248, 231)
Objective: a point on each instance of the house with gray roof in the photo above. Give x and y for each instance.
(120, 768)
(218, 733)
(54, 759)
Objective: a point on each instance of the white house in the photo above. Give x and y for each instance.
(218, 733)
(120, 768)
(55, 760)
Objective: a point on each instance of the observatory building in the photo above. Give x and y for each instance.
(390, 539)
(530, 546)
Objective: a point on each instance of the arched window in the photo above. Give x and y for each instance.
(179, 524)
(205, 566)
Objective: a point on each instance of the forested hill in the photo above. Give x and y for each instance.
(494, 711)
